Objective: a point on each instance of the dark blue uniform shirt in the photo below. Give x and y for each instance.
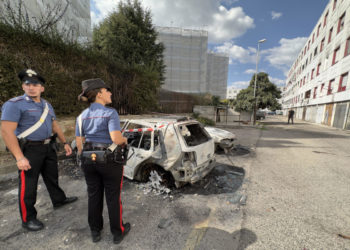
(97, 122)
(26, 113)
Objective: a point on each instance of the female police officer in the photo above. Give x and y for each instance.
(99, 126)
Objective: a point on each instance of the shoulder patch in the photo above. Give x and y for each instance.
(16, 99)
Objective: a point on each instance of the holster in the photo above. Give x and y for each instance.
(22, 142)
(120, 154)
(53, 142)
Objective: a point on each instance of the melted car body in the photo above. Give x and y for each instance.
(223, 139)
(177, 148)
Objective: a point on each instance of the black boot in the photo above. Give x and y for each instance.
(117, 238)
(65, 201)
(33, 225)
(96, 236)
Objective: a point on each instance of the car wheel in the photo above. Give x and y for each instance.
(158, 176)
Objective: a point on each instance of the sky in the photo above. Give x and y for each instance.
(235, 27)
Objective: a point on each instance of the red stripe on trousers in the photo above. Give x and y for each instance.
(23, 188)
(120, 204)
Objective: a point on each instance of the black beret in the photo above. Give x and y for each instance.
(30, 76)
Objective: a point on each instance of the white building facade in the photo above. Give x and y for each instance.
(232, 92)
(76, 20)
(189, 67)
(318, 86)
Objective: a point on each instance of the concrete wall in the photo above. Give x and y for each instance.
(339, 115)
(206, 111)
(320, 113)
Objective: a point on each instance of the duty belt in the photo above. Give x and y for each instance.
(95, 146)
(46, 141)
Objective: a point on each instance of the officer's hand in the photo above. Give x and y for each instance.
(125, 141)
(68, 149)
(23, 164)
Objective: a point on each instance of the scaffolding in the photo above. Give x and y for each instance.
(189, 67)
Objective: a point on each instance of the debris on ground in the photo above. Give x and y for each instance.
(344, 236)
(239, 150)
(69, 167)
(164, 223)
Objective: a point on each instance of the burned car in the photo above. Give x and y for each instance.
(176, 150)
(224, 140)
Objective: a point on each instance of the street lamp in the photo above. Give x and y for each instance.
(256, 75)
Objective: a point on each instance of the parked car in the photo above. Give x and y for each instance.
(223, 139)
(177, 149)
(260, 115)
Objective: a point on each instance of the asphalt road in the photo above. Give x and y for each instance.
(299, 190)
(283, 187)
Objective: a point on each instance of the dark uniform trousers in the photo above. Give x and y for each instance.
(106, 178)
(43, 160)
(290, 118)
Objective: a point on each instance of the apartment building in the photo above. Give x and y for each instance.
(232, 92)
(190, 68)
(318, 86)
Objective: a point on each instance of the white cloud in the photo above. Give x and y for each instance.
(283, 56)
(222, 24)
(240, 84)
(277, 81)
(250, 71)
(237, 53)
(275, 15)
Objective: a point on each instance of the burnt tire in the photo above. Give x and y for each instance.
(166, 179)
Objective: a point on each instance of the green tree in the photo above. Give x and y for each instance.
(128, 37)
(267, 95)
(215, 100)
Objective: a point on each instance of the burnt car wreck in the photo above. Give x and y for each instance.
(175, 150)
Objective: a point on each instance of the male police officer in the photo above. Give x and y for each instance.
(37, 154)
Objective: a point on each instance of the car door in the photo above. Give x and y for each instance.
(140, 139)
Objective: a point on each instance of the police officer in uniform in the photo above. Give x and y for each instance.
(36, 154)
(99, 127)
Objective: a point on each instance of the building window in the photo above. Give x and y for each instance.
(307, 94)
(318, 29)
(330, 35)
(322, 45)
(325, 19)
(347, 47)
(315, 52)
(334, 4)
(343, 82)
(318, 69)
(312, 74)
(341, 23)
(315, 92)
(313, 37)
(321, 90)
(330, 87)
(308, 45)
(335, 59)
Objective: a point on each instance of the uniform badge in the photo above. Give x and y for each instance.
(31, 72)
(93, 156)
